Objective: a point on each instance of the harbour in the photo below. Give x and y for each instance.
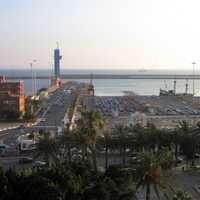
(99, 100)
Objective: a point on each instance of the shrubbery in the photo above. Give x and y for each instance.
(70, 181)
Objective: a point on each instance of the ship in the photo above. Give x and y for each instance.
(173, 92)
(167, 92)
(129, 93)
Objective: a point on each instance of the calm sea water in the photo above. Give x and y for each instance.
(114, 87)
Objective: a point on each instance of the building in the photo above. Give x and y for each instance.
(56, 82)
(12, 96)
(57, 58)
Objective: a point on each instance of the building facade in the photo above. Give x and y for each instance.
(12, 96)
(57, 58)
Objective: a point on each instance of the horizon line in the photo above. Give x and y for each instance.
(107, 69)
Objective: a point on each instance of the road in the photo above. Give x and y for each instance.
(187, 181)
(55, 108)
(53, 111)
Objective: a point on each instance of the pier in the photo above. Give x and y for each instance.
(113, 76)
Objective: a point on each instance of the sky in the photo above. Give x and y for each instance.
(102, 34)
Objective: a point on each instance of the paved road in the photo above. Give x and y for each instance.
(8, 137)
(187, 182)
(53, 111)
(55, 108)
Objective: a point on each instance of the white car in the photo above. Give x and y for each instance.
(42, 120)
(39, 163)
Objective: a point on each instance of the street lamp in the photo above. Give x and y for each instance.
(50, 72)
(193, 77)
(32, 79)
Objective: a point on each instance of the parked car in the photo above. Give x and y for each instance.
(179, 160)
(134, 158)
(21, 126)
(128, 150)
(42, 120)
(25, 160)
(3, 148)
(197, 155)
(134, 154)
(38, 164)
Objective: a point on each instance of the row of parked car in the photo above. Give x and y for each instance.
(6, 150)
(133, 157)
(29, 160)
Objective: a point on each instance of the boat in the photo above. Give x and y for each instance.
(129, 93)
(167, 92)
(173, 92)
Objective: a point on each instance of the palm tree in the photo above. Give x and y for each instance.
(120, 131)
(148, 174)
(140, 137)
(189, 140)
(46, 148)
(80, 136)
(65, 144)
(90, 123)
(195, 141)
(165, 158)
(104, 143)
(148, 171)
(151, 133)
(176, 139)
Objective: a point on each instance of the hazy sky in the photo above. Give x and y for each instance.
(101, 33)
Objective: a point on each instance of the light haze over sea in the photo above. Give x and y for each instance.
(113, 87)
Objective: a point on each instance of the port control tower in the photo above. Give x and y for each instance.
(57, 58)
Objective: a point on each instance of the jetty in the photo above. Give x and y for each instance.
(113, 76)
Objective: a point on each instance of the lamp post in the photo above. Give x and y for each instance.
(193, 87)
(32, 78)
(50, 72)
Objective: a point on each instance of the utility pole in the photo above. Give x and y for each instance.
(50, 72)
(32, 78)
(193, 87)
(186, 86)
(175, 86)
(35, 83)
(31, 66)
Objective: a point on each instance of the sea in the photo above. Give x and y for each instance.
(113, 87)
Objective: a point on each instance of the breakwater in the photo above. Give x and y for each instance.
(113, 76)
